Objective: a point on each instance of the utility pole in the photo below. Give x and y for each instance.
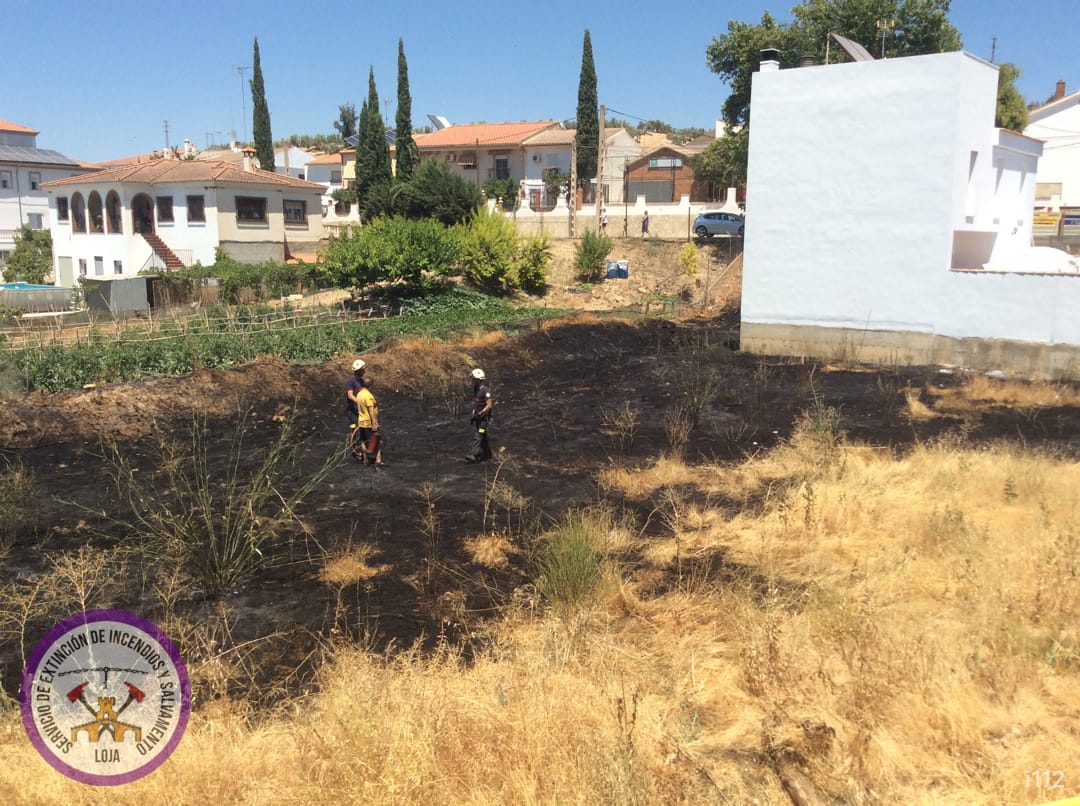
(241, 68)
(600, 165)
(625, 195)
(572, 190)
(993, 49)
(166, 136)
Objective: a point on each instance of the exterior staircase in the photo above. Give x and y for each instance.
(161, 249)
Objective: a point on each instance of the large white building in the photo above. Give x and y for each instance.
(888, 219)
(170, 213)
(1057, 190)
(24, 168)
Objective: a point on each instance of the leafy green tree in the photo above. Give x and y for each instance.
(504, 189)
(260, 115)
(556, 183)
(372, 151)
(32, 257)
(346, 122)
(885, 27)
(392, 249)
(378, 201)
(1012, 112)
(436, 191)
(328, 143)
(587, 139)
(408, 155)
(917, 26)
(680, 136)
(723, 162)
(735, 56)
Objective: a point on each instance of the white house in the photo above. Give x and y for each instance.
(1057, 192)
(292, 161)
(171, 213)
(327, 170)
(887, 219)
(24, 168)
(552, 149)
(547, 152)
(483, 151)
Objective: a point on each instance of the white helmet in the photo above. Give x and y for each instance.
(358, 365)
(478, 374)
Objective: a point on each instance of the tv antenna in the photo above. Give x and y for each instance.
(241, 69)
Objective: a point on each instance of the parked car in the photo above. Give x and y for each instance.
(707, 225)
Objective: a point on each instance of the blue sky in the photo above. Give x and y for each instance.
(99, 80)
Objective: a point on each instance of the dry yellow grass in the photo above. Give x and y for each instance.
(490, 551)
(351, 566)
(900, 630)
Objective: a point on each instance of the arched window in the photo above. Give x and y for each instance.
(78, 213)
(97, 220)
(112, 212)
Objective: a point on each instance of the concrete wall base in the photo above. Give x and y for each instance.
(254, 252)
(899, 348)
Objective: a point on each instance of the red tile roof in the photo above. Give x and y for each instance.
(483, 134)
(164, 171)
(551, 137)
(8, 126)
(327, 159)
(122, 162)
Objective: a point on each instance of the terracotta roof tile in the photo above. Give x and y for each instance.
(327, 159)
(486, 134)
(551, 137)
(135, 159)
(164, 171)
(8, 126)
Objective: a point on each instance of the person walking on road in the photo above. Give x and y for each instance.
(645, 225)
(481, 418)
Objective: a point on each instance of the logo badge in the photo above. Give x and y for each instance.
(105, 697)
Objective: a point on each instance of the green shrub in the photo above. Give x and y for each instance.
(535, 258)
(569, 563)
(236, 280)
(391, 250)
(688, 259)
(489, 252)
(590, 258)
(436, 191)
(503, 190)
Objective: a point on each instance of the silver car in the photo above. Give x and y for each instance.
(707, 225)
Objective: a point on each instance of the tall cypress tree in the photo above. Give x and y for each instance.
(260, 115)
(588, 127)
(372, 151)
(404, 146)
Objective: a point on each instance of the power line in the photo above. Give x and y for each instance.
(628, 115)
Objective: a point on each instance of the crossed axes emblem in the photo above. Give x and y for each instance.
(106, 718)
